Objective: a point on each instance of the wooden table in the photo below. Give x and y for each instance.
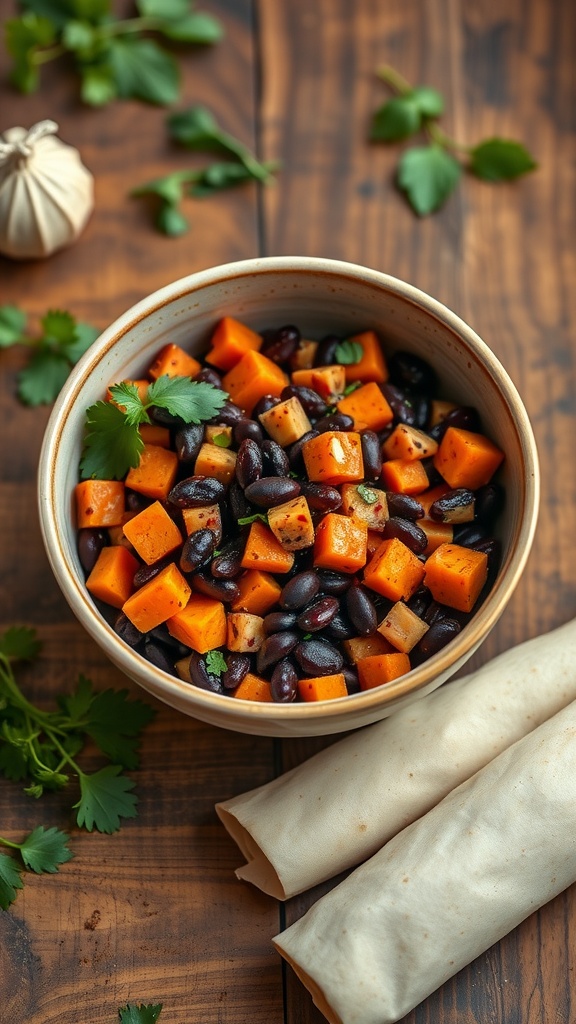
(154, 913)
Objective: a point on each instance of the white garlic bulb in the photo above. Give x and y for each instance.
(46, 193)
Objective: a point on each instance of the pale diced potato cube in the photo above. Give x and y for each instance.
(402, 627)
(245, 632)
(217, 462)
(219, 430)
(207, 517)
(291, 523)
(366, 503)
(286, 422)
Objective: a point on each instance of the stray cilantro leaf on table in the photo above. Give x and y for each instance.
(42, 851)
(429, 174)
(114, 57)
(112, 441)
(142, 1013)
(52, 355)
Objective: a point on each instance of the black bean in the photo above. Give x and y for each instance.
(310, 400)
(220, 590)
(371, 454)
(264, 404)
(188, 441)
(277, 622)
(274, 459)
(135, 502)
(351, 679)
(145, 573)
(332, 582)
(272, 490)
(408, 532)
(274, 648)
(90, 543)
(318, 614)
(321, 497)
(439, 634)
(435, 612)
(420, 601)
(237, 665)
(246, 428)
(284, 682)
(361, 611)
(340, 628)
(280, 344)
(229, 414)
(210, 376)
(404, 506)
(158, 656)
(299, 590)
(492, 547)
(294, 451)
(408, 370)
(197, 550)
(469, 535)
(335, 421)
(200, 675)
(455, 506)
(127, 631)
(402, 405)
(325, 354)
(317, 657)
(161, 634)
(164, 418)
(489, 503)
(237, 504)
(195, 491)
(228, 563)
(248, 463)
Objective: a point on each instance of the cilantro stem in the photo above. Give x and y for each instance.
(446, 141)
(39, 56)
(394, 79)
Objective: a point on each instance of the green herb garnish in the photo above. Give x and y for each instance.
(222, 440)
(144, 1013)
(348, 353)
(112, 442)
(216, 663)
(52, 355)
(368, 494)
(42, 747)
(246, 520)
(42, 851)
(429, 174)
(115, 58)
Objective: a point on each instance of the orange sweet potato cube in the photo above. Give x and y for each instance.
(367, 407)
(263, 551)
(340, 543)
(156, 473)
(158, 600)
(394, 571)
(466, 459)
(153, 433)
(372, 365)
(381, 668)
(111, 579)
(334, 457)
(201, 624)
(328, 381)
(259, 592)
(253, 687)
(253, 377)
(455, 575)
(173, 361)
(405, 476)
(323, 687)
(99, 503)
(152, 533)
(230, 341)
(436, 533)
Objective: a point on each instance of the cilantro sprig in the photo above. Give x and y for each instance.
(52, 354)
(428, 174)
(215, 663)
(42, 851)
(142, 1013)
(348, 352)
(115, 58)
(112, 440)
(42, 748)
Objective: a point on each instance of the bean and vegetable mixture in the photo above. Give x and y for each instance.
(316, 521)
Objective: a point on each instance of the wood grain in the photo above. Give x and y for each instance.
(154, 913)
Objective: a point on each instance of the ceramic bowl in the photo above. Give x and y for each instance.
(321, 296)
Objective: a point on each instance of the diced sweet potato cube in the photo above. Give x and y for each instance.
(207, 517)
(367, 407)
(291, 523)
(334, 457)
(303, 358)
(340, 543)
(366, 503)
(455, 575)
(220, 431)
(157, 600)
(394, 570)
(253, 687)
(253, 377)
(156, 473)
(263, 551)
(328, 381)
(99, 503)
(372, 366)
(153, 533)
(405, 476)
(111, 579)
(245, 632)
(173, 361)
(437, 534)
(201, 625)
(230, 341)
(406, 442)
(364, 646)
(466, 459)
(153, 433)
(402, 627)
(259, 592)
(382, 668)
(322, 687)
(286, 422)
(217, 462)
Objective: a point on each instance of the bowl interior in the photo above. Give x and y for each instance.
(321, 297)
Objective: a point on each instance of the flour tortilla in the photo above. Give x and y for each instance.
(446, 888)
(341, 806)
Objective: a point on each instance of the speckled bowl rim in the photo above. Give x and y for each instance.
(176, 692)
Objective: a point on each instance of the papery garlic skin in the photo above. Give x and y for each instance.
(46, 192)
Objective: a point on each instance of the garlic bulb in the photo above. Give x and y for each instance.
(46, 193)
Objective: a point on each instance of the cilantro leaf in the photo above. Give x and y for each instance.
(144, 1013)
(76, 705)
(24, 36)
(59, 327)
(115, 722)
(84, 336)
(105, 797)
(170, 187)
(395, 120)
(44, 849)
(170, 221)
(143, 70)
(98, 86)
(429, 101)
(111, 444)
(428, 174)
(222, 440)
(221, 175)
(10, 880)
(215, 663)
(127, 397)
(196, 128)
(348, 353)
(20, 643)
(246, 520)
(194, 401)
(500, 160)
(368, 494)
(41, 380)
(12, 324)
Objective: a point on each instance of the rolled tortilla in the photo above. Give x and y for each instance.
(338, 808)
(446, 888)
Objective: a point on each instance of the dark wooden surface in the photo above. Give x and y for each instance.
(154, 913)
